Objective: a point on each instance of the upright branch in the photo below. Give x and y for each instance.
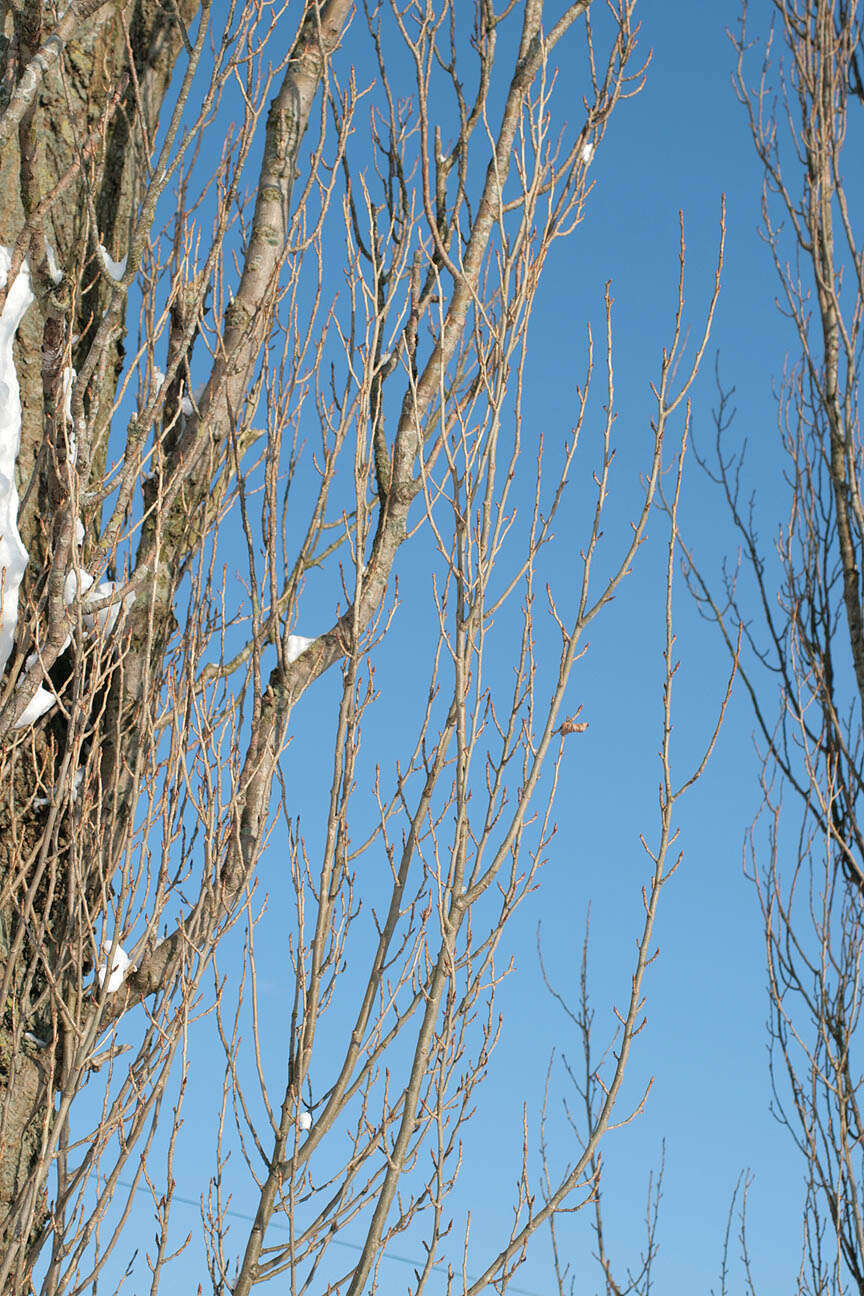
(800, 611)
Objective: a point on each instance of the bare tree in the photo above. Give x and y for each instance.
(411, 179)
(801, 608)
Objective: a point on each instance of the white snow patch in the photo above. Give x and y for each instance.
(186, 405)
(106, 618)
(297, 644)
(53, 268)
(304, 1121)
(69, 376)
(40, 702)
(78, 582)
(119, 967)
(79, 531)
(116, 269)
(71, 586)
(158, 379)
(13, 555)
(586, 153)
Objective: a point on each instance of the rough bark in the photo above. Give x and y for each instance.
(56, 133)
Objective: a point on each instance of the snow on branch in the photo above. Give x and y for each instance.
(119, 967)
(297, 644)
(114, 269)
(40, 702)
(189, 402)
(105, 618)
(53, 267)
(13, 555)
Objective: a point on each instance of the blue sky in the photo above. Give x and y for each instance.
(680, 145)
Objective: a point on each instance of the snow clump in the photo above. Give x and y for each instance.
(40, 702)
(105, 618)
(71, 587)
(119, 968)
(13, 555)
(115, 269)
(186, 405)
(297, 644)
(53, 268)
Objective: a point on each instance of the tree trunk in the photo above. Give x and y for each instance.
(89, 116)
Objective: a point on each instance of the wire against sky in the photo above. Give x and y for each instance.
(353, 1246)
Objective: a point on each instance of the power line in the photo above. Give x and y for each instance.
(353, 1246)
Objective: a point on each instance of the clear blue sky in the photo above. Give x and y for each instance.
(681, 144)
